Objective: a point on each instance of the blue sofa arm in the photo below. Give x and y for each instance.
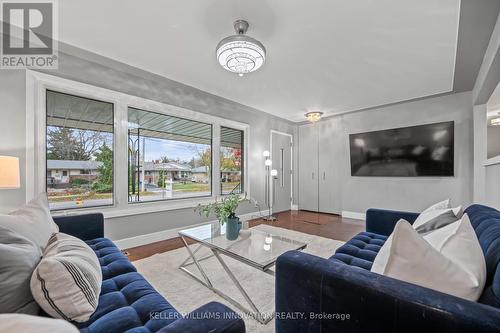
(308, 287)
(85, 227)
(382, 222)
(211, 317)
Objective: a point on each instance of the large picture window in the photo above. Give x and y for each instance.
(231, 161)
(101, 150)
(79, 152)
(169, 157)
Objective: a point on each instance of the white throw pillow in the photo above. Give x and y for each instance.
(67, 281)
(458, 242)
(407, 256)
(22, 323)
(33, 221)
(437, 216)
(18, 258)
(440, 205)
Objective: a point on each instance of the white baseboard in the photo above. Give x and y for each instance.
(127, 243)
(295, 207)
(353, 215)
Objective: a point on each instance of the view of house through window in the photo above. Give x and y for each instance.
(231, 161)
(79, 151)
(169, 157)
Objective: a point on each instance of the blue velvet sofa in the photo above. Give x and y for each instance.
(128, 303)
(323, 292)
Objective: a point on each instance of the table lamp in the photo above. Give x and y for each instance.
(9, 172)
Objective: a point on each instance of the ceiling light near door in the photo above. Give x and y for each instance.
(240, 53)
(495, 122)
(314, 116)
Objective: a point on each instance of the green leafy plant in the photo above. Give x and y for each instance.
(223, 209)
(161, 179)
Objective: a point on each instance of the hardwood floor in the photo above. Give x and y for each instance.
(324, 225)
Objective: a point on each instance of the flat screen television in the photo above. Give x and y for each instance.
(417, 151)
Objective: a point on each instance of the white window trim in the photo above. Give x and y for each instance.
(36, 86)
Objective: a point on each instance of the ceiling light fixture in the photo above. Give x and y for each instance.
(314, 116)
(240, 53)
(495, 122)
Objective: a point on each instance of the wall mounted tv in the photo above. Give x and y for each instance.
(417, 151)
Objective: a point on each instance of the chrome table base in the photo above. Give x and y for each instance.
(191, 259)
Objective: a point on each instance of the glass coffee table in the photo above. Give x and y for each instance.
(254, 248)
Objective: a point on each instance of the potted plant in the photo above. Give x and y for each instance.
(225, 211)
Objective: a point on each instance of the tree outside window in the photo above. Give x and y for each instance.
(79, 151)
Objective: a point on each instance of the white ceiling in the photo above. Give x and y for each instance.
(328, 55)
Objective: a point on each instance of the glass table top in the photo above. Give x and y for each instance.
(254, 247)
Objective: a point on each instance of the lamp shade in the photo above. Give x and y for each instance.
(9, 172)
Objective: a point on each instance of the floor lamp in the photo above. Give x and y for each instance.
(269, 173)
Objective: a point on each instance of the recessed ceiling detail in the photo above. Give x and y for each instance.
(330, 55)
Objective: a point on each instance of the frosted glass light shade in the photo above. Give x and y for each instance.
(274, 172)
(266, 153)
(9, 172)
(314, 116)
(268, 162)
(240, 53)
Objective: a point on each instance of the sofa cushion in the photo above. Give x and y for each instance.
(127, 303)
(18, 258)
(437, 216)
(360, 250)
(32, 220)
(113, 261)
(67, 281)
(451, 262)
(23, 323)
(486, 223)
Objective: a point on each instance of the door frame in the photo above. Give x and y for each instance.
(271, 183)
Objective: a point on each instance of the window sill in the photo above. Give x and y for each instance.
(137, 208)
(492, 161)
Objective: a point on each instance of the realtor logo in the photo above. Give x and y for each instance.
(28, 34)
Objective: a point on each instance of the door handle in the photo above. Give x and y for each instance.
(324, 175)
(313, 175)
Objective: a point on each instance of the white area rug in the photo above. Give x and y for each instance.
(186, 294)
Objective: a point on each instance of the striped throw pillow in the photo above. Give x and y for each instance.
(67, 281)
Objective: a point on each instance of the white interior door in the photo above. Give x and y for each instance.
(329, 193)
(308, 167)
(281, 184)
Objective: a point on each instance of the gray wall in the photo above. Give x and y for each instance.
(92, 69)
(414, 194)
(493, 186)
(13, 130)
(486, 178)
(493, 141)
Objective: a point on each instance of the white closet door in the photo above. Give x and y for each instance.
(330, 135)
(308, 167)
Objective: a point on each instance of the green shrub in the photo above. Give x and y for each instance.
(79, 182)
(102, 188)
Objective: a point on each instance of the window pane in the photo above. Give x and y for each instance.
(169, 157)
(231, 161)
(79, 152)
